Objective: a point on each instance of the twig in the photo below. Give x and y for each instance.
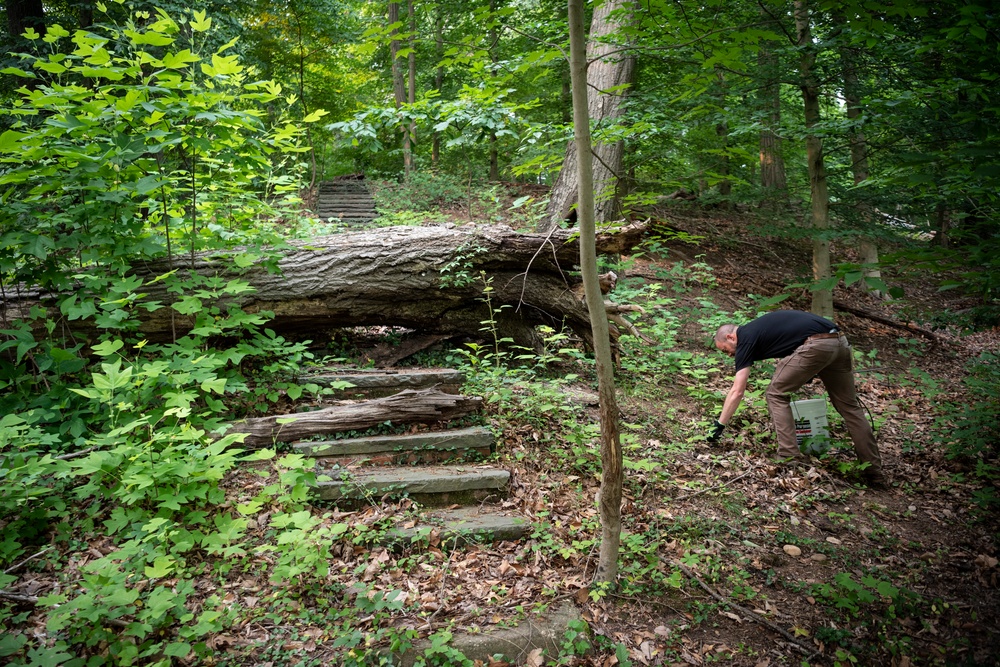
(73, 455)
(713, 488)
(806, 650)
(18, 566)
(935, 341)
(19, 597)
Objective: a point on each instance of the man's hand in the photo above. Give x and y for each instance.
(716, 432)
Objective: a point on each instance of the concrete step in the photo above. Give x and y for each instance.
(468, 444)
(347, 196)
(434, 486)
(458, 526)
(377, 383)
(352, 200)
(344, 192)
(336, 207)
(348, 215)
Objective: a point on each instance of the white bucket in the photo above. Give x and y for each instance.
(811, 426)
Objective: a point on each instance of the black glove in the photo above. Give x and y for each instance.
(717, 429)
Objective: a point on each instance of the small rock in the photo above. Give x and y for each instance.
(795, 521)
(819, 558)
(792, 550)
(833, 540)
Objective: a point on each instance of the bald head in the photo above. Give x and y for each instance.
(725, 339)
(720, 335)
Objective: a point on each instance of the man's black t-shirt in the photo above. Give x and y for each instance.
(776, 335)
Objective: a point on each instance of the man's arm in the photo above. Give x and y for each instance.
(735, 395)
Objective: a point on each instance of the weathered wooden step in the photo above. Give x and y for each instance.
(374, 383)
(470, 443)
(438, 485)
(455, 527)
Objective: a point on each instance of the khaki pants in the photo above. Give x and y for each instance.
(831, 360)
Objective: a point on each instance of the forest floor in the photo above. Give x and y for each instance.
(727, 557)
(905, 576)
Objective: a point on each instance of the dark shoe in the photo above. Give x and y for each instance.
(877, 482)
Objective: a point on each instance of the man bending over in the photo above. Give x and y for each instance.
(807, 346)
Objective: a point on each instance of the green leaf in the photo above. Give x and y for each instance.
(150, 38)
(218, 385)
(180, 59)
(10, 141)
(852, 277)
(177, 649)
(147, 184)
(315, 116)
(162, 566)
(11, 644)
(108, 347)
(189, 305)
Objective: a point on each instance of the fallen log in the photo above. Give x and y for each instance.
(407, 407)
(426, 279)
(905, 326)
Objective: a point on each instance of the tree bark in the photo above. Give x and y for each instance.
(772, 164)
(867, 246)
(411, 88)
(611, 451)
(426, 279)
(438, 79)
(822, 301)
(606, 73)
(722, 132)
(24, 14)
(407, 407)
(398, 81)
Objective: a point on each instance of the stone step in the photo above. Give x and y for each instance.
(353, 215)
(436, 486)
(377, 383)
(347, 197)
(344, 192)
(458, 526)
(472, 443)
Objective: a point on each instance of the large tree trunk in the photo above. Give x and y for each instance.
(867, 246)
(611, 448)
(722, 132)
(822, 302)
(398, 82)
(609, 69)
(772, 164)
(411, 88)
(24, 14)
(438, 79)
(426, 279)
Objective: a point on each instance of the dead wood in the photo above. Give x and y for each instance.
(425, 279)
(406, 407)
(840, 305)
